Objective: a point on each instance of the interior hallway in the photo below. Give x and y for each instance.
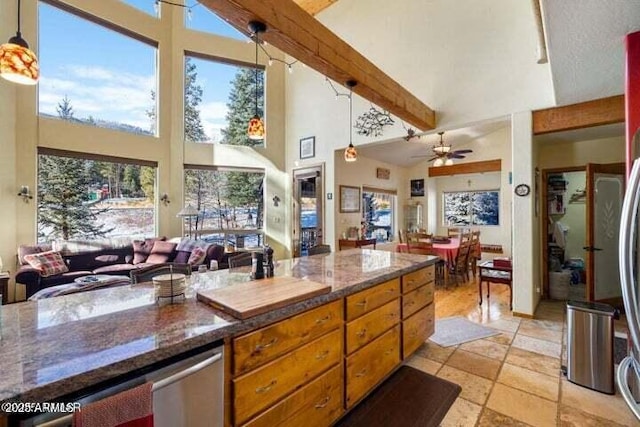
(514, 378)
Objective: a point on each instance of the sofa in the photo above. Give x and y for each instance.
(110, 257)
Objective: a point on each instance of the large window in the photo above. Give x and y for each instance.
(471, 208)
(91, 198)
(93, 75)
(378, 211)
(220, 101)
(148, 6)
(200, 18)
(230, 203)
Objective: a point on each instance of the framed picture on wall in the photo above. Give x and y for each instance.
(349, 199)
(417, 187)
(308, 147)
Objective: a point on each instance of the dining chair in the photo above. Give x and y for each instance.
(460, 264)
(474, 251)
(145, 274)
(240, 260)
(418, 237)
(319, 249)
(453, 231)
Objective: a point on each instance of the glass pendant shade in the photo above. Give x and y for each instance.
(350, 154)
(449, 162)
(18, 63)
(439, 162)
(256, 128)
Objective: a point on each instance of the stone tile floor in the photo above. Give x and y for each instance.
(514, 379)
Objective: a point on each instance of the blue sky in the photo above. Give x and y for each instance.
(110, 76)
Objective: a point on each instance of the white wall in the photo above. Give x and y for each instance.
(560, 154)
(575, 216)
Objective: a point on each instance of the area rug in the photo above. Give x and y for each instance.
(408, 398)
(457, 330)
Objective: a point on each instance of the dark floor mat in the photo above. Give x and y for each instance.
(408, 398)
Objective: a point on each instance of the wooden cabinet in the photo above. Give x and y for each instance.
(265, 344)
(365, 301)
(308, 369)
(418, 314)
(368, 366)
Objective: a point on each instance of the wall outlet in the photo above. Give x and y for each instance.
(276, 219)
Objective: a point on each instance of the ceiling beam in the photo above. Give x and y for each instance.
(464, 168)
(295, 32)
(604, 111)
(314, 6)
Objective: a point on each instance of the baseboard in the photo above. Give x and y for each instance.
(523, 315)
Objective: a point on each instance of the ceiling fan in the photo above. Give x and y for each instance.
(443, 155)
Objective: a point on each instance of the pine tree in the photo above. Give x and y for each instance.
(64, 109)
(241, 107)
(193, 129)
(148, 181)
(63, 184)
(131, 180)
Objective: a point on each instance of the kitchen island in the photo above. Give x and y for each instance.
(54, 348)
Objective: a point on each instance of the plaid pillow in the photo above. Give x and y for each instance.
(48, 263)
(197, 256)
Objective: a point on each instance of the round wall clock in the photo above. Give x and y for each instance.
(522, 190)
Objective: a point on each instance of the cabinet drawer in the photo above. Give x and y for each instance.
(416, 329)
(415, 279)
(368, 366)
(371, 325)
(415, 300)
(317, 404)
(367, 300)
(263, 345)
(262, 387)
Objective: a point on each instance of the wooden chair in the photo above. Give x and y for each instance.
(459, 267)
(349, 243)
(491, 273)
(319, 249)
(418, 237)
(474, 251)
(240, 260)
(145, 274)
(453, 231)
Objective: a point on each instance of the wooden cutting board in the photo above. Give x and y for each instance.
(249, 299)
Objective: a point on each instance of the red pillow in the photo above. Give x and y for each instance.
(48, 263)
(142, 249)
(197, 256)
(161, 252)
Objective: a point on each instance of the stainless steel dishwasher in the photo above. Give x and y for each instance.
(187, 393)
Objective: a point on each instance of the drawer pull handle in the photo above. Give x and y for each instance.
(392, 315)
(362, 303)
(267, 387)
(266, 345)
(323, 355)
(390, 291)
(361, 373)
(409, 303)
(324, 402)
(413, 334)
(362, 332)
(388, 352)
(410, 282)
(324, 319)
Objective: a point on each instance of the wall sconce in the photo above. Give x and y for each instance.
(276, 200)
(165, 199)
(25, 194)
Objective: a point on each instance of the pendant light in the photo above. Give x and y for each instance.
(256, 126)
(18, 63)
(350, 153)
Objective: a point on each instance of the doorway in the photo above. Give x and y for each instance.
(582, 206)
(308, 212)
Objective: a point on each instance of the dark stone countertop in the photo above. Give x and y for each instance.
(52, 347)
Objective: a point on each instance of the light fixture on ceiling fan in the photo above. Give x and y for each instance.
(443, 155)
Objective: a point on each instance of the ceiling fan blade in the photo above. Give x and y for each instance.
(455, 156)
(462, 151)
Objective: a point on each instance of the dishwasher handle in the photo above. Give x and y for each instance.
(66, 420)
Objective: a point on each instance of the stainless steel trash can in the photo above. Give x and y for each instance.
(590, 345)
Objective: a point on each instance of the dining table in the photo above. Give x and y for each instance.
(447, 251)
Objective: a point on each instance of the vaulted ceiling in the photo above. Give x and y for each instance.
(314, 6)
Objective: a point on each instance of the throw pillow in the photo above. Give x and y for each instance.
(197, 256)
(161, 252)
(142, 249)
(48, 263)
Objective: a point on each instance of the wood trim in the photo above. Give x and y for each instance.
(314, 6)
(368, 189)
(292, 30)
(523, 315)
(462, 168)
(96, 157)
(602, 111)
